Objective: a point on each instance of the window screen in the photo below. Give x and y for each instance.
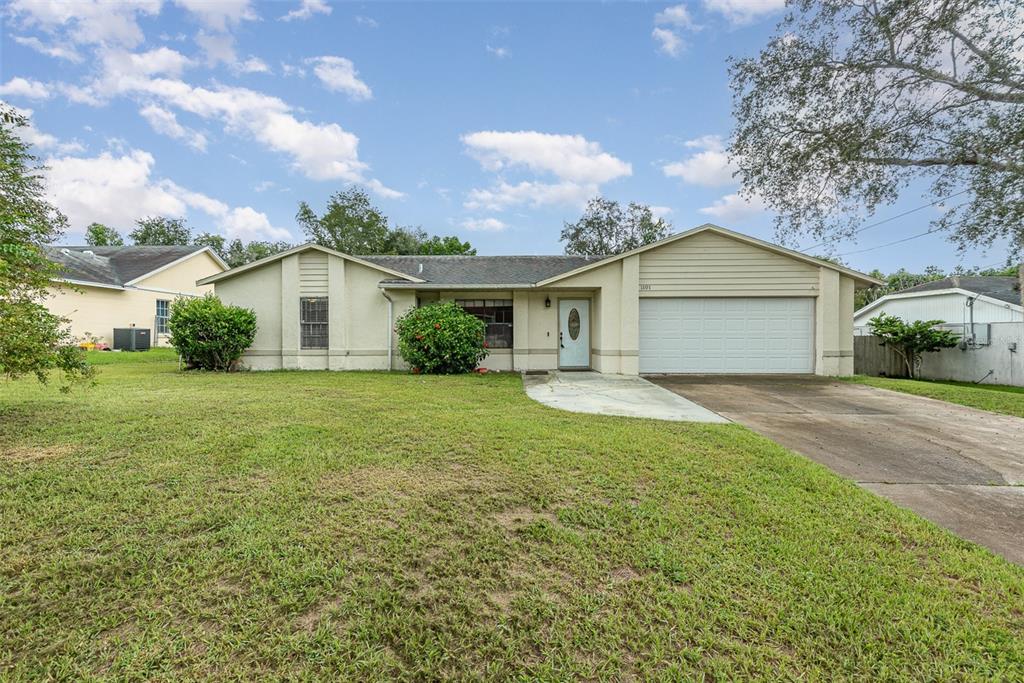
(163, 312)
(313, 322)
(497, 315)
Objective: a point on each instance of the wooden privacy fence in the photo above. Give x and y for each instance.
(870, 357)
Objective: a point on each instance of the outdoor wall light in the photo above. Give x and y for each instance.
(547, 302)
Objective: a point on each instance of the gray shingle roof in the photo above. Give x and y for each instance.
(481, 270)
(1003, 288)
(114, 265)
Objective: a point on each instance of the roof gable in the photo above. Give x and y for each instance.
(708, 227)
(296, 250)
(464, 271)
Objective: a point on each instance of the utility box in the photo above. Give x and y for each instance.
(131, 339)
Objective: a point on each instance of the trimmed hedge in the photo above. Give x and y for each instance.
(441, 339)
(208, 334)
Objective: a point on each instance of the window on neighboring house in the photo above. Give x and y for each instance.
(313, 322)
(497, 315)
(163, 313)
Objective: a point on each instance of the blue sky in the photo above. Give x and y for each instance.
(491, 121)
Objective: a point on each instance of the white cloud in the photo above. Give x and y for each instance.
(739, 12)
(41, 141)
(569, 157)
(217, 48)
(118, 190)
(733, 207)
(484, 224)
(668, 42)
(263, 185)
(27, 88)
(368, 22)
(378, 188)
(88, 21)
(246, 223)
(709, 167)
(677, 15)
(219, 15)
(306, 9)
(162, 61)
(499, 52)
(661, 211)
(56, 51)
(165, 122)
(504, 195)
(253, 65)
(339, 74)
(579, 166)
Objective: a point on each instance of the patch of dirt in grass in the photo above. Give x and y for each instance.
(624, 574)
(311, 618)
(26, 454)
(518, 518)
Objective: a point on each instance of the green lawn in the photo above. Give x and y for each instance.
(359, 526)
(994, 397)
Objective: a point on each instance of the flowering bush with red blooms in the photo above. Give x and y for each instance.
(441, 339)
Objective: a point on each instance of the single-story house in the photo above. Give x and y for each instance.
(704, 301)
(102, 288)
(956, 300)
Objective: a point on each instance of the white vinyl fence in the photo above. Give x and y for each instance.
(995, 357)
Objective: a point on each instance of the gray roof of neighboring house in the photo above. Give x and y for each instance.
(1003, 288)
(480, 270)
(114, 266)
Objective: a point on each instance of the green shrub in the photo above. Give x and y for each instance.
(441, 339)
(208, 334)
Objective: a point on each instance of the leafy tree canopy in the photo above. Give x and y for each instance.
(99, 235)
(850, 102)
(161, 231)
(605, 228)
(32, 340)
(353, 225)
(238, 253)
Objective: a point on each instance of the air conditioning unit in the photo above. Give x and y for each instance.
(131, 339)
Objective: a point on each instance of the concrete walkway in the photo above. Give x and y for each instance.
(624, 395)
(959, 467)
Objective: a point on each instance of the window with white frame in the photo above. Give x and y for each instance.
(313, 322)
(163, 314)
(497, 315)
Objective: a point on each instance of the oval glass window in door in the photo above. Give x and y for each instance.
(574, 324)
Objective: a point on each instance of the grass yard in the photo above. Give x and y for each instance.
(361, 526)
(992, 397)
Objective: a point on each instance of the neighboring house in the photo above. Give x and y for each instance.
(985, 311)
(706, 301)
(957, 301)
(102, 288)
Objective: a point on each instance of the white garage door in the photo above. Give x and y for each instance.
(727, 335)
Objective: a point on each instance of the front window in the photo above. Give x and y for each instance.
(497, 315)
(163, 313)
(313, 322)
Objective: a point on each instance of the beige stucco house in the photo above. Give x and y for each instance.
(102, 288)
(704, 301)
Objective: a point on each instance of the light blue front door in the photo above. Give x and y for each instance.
(574, 333)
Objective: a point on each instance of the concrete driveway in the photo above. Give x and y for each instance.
(959, 467)
(623, 395)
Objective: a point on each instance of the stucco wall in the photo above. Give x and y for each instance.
(98, 310)
(973, 364)
(357, 313)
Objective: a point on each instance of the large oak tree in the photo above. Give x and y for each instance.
(852, 101)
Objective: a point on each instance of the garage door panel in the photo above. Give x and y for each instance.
(727, 335)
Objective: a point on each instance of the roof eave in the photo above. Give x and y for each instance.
(175, 262)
